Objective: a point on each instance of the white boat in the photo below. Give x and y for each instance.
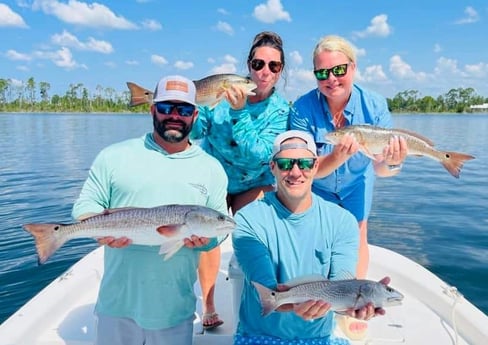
(433, 312)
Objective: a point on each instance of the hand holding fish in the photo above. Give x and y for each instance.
(195, 241)
(369, 311)
(342, 151)
(113, 242)
(236, 96)
(393, 154)
(308, 310)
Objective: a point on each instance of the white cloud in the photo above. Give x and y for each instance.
(403, 70)
(437, 48)
(479, 70)
(296, 58)
(152, 25)
(66, 39)
(223, 11)
(10, 18)
(132, 62)
(61, 58)
(158, 60)
(225, 28)
(471, 16)
(183, 65)
(16, 56)
(80, 13)
(373, 74)
(228, 65)
(271, 12)
(379, 27)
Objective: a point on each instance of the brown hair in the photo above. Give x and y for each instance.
(267, 39)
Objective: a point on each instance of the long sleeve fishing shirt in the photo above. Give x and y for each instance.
(273, 245)
(242, 140)
(350, 185)
(137, 282)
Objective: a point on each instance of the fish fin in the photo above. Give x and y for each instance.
(115, 210)
(219, 98)
(310, 278)
(454, 161)
(400, 131)
(139, 95)
(169, 230)
(267, 297)
(46, 240)
(364, 149)
(345, 275)
(170, 248)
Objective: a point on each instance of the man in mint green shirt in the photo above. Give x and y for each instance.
(144, 299)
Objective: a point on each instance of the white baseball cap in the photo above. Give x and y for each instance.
(175, 88)
(308, 144)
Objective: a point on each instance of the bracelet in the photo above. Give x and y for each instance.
(395, 167)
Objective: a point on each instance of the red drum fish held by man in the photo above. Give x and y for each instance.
(372, 140)
(210, 90)
(166, 226)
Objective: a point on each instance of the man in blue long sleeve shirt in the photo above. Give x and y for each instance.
(288, 234)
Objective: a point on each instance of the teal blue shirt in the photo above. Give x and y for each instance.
(242, 140)
(273, 245)
(137, 282)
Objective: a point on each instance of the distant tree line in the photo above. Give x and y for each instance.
(30, 96)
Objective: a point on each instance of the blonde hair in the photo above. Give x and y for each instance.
(334, 43)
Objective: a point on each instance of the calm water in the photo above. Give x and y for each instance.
(424, 213)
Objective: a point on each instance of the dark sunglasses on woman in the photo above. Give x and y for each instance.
(324, 73)
(274, 66)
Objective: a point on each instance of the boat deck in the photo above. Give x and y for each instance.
(429, 309)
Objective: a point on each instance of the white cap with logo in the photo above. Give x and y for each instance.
(175, 88)
(309, 143)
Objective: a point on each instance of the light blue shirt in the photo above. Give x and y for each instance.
(242, 140)
(137, 283)
(273, 245)
(355, 178)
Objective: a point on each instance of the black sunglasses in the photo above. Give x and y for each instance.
(286, 164)
(274, 66)
(167, 108)
(324, 73)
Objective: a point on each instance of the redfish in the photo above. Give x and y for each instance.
(372, 140)
(210, 90)
(165, 226)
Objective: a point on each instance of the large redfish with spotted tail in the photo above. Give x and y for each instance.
(165, 226)
(372, 140)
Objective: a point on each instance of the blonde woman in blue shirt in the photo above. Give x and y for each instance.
(240, 134)
(346, 176)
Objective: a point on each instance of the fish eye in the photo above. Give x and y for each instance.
(221, 217)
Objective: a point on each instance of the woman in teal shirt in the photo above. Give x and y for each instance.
(240, 134)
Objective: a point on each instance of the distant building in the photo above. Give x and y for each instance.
(479, 107)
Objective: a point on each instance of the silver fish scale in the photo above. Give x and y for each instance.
(139, 224)
(342, 294)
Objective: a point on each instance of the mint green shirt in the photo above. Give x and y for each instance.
(137, 282)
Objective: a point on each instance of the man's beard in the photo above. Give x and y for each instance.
(172, 135)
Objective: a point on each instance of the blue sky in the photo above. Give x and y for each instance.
(430, 46)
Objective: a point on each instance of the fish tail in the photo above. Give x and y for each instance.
(138, 94)
(46, 240)
(454, 161)
(267, 298)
